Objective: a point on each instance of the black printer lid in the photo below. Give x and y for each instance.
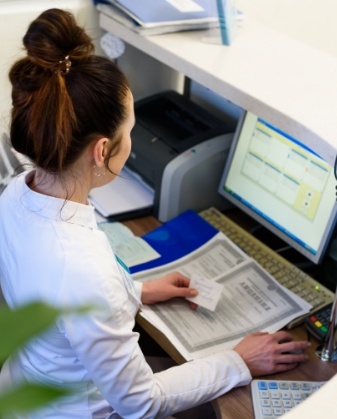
(177, 121)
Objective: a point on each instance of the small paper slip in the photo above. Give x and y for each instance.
(131, 249)
(209, 292)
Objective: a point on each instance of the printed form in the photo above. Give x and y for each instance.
(251, 300)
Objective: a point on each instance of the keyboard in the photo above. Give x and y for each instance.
(273, 398)
(282, 270)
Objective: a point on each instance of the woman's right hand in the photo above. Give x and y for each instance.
(266, 353)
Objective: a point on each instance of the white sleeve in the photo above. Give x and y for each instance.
(202, 380)
(138, 288)
(104, 342)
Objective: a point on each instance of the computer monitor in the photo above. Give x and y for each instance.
(282, 184)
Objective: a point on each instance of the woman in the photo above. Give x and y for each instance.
(72, 117)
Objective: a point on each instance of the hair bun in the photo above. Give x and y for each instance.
(54, 41)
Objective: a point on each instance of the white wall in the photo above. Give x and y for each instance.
(15, 16)
(148, 76)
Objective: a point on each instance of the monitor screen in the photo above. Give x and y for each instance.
(282, 184)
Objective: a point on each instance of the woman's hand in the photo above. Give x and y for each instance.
(170, 286)
(266, 353)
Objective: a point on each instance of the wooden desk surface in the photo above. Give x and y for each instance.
(142, 225)
(237, 404)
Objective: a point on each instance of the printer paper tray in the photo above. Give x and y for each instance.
(125, 197)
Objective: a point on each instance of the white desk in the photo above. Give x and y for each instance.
(282, 75)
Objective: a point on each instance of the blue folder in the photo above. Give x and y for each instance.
(177, 238)
(160, 12)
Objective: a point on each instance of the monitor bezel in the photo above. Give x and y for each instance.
(330, 226)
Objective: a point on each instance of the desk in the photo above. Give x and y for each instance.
(142, 225)
(289, 80)
(139, 227)
(237, 403)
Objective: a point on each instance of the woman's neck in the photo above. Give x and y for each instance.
(66, 186)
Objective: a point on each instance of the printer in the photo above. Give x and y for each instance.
(179, 150)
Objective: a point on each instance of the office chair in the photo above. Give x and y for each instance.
(11, 163)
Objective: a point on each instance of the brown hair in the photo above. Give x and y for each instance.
(63, 95)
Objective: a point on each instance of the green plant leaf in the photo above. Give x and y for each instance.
(28, 397)
(16, 328)
(19, 325)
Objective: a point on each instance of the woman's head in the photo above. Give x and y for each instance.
(63, 96)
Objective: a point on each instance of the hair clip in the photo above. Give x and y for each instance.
(65, 65)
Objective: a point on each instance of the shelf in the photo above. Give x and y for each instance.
(291, 84)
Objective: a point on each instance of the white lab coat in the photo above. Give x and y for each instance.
(53, 251)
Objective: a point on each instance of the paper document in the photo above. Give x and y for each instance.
(127, 193)
(251, 300)
(151, 13)
(116, 14)
(131, 249)
(209, 292)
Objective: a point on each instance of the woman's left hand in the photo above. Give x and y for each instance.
(170, 286)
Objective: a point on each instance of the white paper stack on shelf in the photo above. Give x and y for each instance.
(148, 17)
(127, 196)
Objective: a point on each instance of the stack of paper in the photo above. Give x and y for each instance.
(127, 196)
(132, 250)
(251, 300)
(148, 17)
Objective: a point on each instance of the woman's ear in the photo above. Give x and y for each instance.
(99, 151)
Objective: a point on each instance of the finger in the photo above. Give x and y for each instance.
(282, 336)
(179, 280)
(186, 292)
(294, 346)
(184, 282)
(291, 358)
(284, 367)
(294, 358)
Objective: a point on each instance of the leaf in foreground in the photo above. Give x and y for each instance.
(28, 397)
(22, 323)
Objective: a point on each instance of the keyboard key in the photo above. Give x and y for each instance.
(284, 385)
(263, 385)
(276, 402)
(283, 271)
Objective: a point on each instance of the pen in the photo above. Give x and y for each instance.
(226, 18)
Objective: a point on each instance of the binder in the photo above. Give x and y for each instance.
(177, 238)
(112, 12)
(149, 13)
